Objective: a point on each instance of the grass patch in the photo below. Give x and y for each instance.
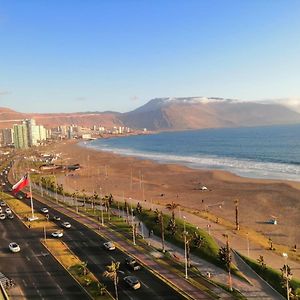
(77, 268)
(24, 211)
(273, 277)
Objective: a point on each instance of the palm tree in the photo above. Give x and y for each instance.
(112, 273)
(197, 240)
(172, 223)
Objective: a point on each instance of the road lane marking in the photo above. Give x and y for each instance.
(24, 282)
(28, 258)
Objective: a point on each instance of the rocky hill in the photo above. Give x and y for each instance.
(200, 112)
(171, 114)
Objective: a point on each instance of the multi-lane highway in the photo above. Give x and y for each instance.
(88, 246)
(35, 271)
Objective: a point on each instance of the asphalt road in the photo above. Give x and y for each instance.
(35, 271)
(37, 274)
(88, 245)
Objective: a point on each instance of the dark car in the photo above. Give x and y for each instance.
(132, 264)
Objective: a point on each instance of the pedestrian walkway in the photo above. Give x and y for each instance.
(258, 289)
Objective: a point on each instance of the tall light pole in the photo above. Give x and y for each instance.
(185, 249)
(248, 246)
(133, 229)
(237, 222)
(285, 255)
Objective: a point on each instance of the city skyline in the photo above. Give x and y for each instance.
(117, 55)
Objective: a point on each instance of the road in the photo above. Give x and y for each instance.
(35, 271)
(88, 246)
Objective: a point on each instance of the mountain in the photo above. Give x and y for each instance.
(202, 112)
(174, 114)
(9, 117)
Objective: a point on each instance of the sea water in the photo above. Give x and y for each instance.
(258, 152)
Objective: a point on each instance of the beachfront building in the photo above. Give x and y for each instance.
(28, 134)
(20, 136)
(6, 137)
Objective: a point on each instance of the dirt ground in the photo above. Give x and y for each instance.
(259, 200)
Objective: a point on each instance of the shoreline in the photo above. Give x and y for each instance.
(260, 199)
(238, 166)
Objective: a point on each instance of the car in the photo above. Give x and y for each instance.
(132, 264)
(56, 218)
(14, 247)
(57, 234)
(2, 203)
(0, 210)
(10, 216)
(44, 210)
(133, 282)
(66, 225)
(8, 211)
(109, 246)
(2, 216)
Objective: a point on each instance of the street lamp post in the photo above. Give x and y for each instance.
(248, 246)
(133, 229)
(185, 248)
(285, 255)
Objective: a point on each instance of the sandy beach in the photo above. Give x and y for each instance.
(149, 181)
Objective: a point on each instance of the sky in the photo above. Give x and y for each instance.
(71, 55)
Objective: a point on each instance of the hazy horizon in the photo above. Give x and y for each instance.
(117, 55)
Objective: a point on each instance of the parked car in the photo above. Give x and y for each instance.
(10, 216)
(109, 246)
(132, 264)
(133, 282)
(2, 203)
(44, 210)
(14, 247)
(66, 224)
(8, 211)
(56, 218)
(57, 234)
(0, 210)
(2, 216)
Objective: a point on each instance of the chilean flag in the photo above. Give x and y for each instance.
(24, 181)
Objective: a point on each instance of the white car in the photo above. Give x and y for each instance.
(0, 210)
(133, 282)
(44, 210)
(109, 246)
(66, 225)
(2, 216)
(8, 211)
(56, 218)
(2, 203)
(14, 247)
(10, 216)
(57, 234)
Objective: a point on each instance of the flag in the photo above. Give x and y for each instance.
(24, 181)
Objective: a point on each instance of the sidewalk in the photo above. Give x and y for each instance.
(258, 289)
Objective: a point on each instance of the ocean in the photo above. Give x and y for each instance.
(258, 152)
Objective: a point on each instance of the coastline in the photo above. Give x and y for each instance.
(106, 172)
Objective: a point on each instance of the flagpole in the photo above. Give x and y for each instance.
(30, 191)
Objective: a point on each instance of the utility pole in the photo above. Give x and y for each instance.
(237, 223)
(162, 231)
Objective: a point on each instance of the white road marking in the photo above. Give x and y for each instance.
(24, 282)
(59, 288)
(28, 258)
(144, 284)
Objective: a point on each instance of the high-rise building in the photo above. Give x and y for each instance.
(20, 136)
(7, 136)
(29, 134)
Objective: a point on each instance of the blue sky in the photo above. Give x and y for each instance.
(67, 56)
